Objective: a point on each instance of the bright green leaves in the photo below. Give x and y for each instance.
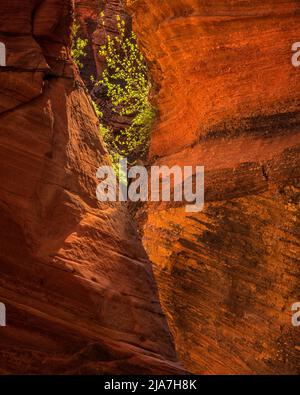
(78, 46)
(127, 86)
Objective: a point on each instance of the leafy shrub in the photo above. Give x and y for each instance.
(126, 84)
(78, 46)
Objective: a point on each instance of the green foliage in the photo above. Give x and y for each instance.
(126, 84)
(98, 112)
(78, 46)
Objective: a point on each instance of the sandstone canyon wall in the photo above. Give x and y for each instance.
(77, 285)
(229, 99)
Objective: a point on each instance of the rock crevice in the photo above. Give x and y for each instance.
(76, 282)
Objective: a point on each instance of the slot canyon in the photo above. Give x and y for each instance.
(96, 287)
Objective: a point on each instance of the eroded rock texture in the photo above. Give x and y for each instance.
(228, 98)
(76, 282)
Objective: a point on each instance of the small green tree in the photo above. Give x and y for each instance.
(78, 45)
(127, 86)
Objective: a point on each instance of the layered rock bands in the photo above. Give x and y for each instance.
(229, 99)
(78, 288)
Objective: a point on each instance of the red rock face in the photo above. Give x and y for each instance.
(228, 98)
(77, 285)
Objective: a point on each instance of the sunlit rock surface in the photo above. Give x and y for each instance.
(76, 282)
(228, 98)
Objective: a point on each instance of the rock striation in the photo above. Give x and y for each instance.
(77, 284)
(228, 98)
